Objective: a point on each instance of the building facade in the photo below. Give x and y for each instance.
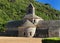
(34, 26)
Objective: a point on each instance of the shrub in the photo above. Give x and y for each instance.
(51, 40)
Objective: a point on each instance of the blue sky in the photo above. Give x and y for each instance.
(54, 3)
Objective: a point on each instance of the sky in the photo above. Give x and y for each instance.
(54, 3)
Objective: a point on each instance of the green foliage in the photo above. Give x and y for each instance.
(2, 28)
(53, 38)
(50, 41)
(16, 9)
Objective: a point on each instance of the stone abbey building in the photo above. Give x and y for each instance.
(33, 26)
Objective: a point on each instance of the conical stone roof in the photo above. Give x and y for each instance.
(33, 16)
(28, 24)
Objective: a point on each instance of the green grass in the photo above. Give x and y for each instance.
(52, 38)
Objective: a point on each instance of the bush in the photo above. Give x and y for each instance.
(50, 41)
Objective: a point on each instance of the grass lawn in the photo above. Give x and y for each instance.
(53, 38)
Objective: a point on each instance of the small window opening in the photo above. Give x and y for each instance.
(34, 21)
(24, 34)
(30, 33)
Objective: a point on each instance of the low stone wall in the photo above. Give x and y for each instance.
(19, 40)
(9, 33)
(41, 33)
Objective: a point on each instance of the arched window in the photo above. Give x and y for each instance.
(34, 21)
(24, 34)
(30, 33)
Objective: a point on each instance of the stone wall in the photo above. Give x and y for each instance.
(53, 31)
(41, 33)
(26, 32)
(9, 33)
(53, 27)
